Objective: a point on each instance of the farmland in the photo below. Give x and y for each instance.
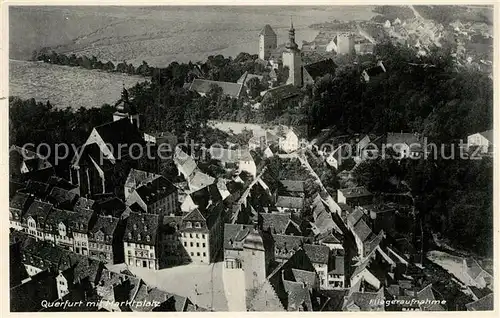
(66, 86)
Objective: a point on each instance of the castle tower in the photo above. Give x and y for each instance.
(124, 109)
(292, 59)
(268, 41)
(254, 260)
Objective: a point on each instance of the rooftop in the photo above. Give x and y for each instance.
(290, 202)
(355, 192)
(203, 86)
(141, 228)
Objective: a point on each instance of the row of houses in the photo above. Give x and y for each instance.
(42, 275)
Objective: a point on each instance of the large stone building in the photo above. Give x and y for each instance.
(141, 241)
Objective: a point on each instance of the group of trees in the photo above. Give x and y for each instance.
(452, 197)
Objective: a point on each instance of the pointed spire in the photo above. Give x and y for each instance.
(291, 23)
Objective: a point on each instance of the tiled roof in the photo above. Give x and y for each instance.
(185, 161)
(234, 233)
(281, 93)
(138, 177)
(205, 196)
(317, 253)
(19, 201)
(293, 186)
(39, 211)
(55, 181)
(118, 133)
(267, 30)
(288, 242)
(246, 77)
(62, 197)
(488, 134)
(298, 295)
(107, 226)
(80, 221)
(32, 160)
(140, 227)
(199, 180)
(290, 202)
(355, 192)
(84, 203)
(366, 301)
(483, 304)
(321, 68)
(276, 222)
(155, 190)
(402, 138)
(203, 86)
(362, 230)
(230, 155)
(38, 189)
(370, 245)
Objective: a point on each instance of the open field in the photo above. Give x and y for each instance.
(66, 86)
(160, 35)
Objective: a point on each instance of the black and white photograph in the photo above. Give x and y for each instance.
(260, 158)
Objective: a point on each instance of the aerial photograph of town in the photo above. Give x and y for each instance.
(250, 158)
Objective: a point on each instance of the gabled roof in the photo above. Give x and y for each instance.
(184, 161)
(247, 76)
(281, 92)
(482, 304)
(290, 202)
(195, 215)
(366, 301)
(402, 138)
(230, 155)
(19, 201)
(107, 225)
(362, 230)
(488, 134)
(140, 227)
(61, 196)
(473, 268)
(203, 86)
(118, 133)
(355, 192)
(321, 68)
(317, 253)
(354, 217)
(138, 177)
(277, 222)
(427, 294)
(155, 190)
(267, 30)
(199, 180)
(234, 233)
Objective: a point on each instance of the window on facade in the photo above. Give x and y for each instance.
(197, 244)
(189, 224)
(148, 238)
(191, 244)
(190, 235)
(185, 244)
(204, 245)
(198, 225)
(203, 236)
(204, 254)
(192, 254)
(197, 253)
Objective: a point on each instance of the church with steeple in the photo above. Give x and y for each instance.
(288, 55)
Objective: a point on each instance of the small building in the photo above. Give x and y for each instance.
(240, 159)
(288, 95)
(354, 196)
(372, 72)
(405, 145)
(482, 140)
(288, 204)
(158, 196)
(292, 188)
(137, 178)
(319, 255)
(278, 223)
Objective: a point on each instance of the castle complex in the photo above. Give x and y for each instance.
(290, 57)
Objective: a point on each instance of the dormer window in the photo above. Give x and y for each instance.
(135, 227)
(148, 238)
(138, 237)
(189, 225)
(145, 228)
(197, 225)
(130, 236)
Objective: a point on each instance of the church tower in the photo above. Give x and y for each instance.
(124, 109)
(292, 59)
(268, 41)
